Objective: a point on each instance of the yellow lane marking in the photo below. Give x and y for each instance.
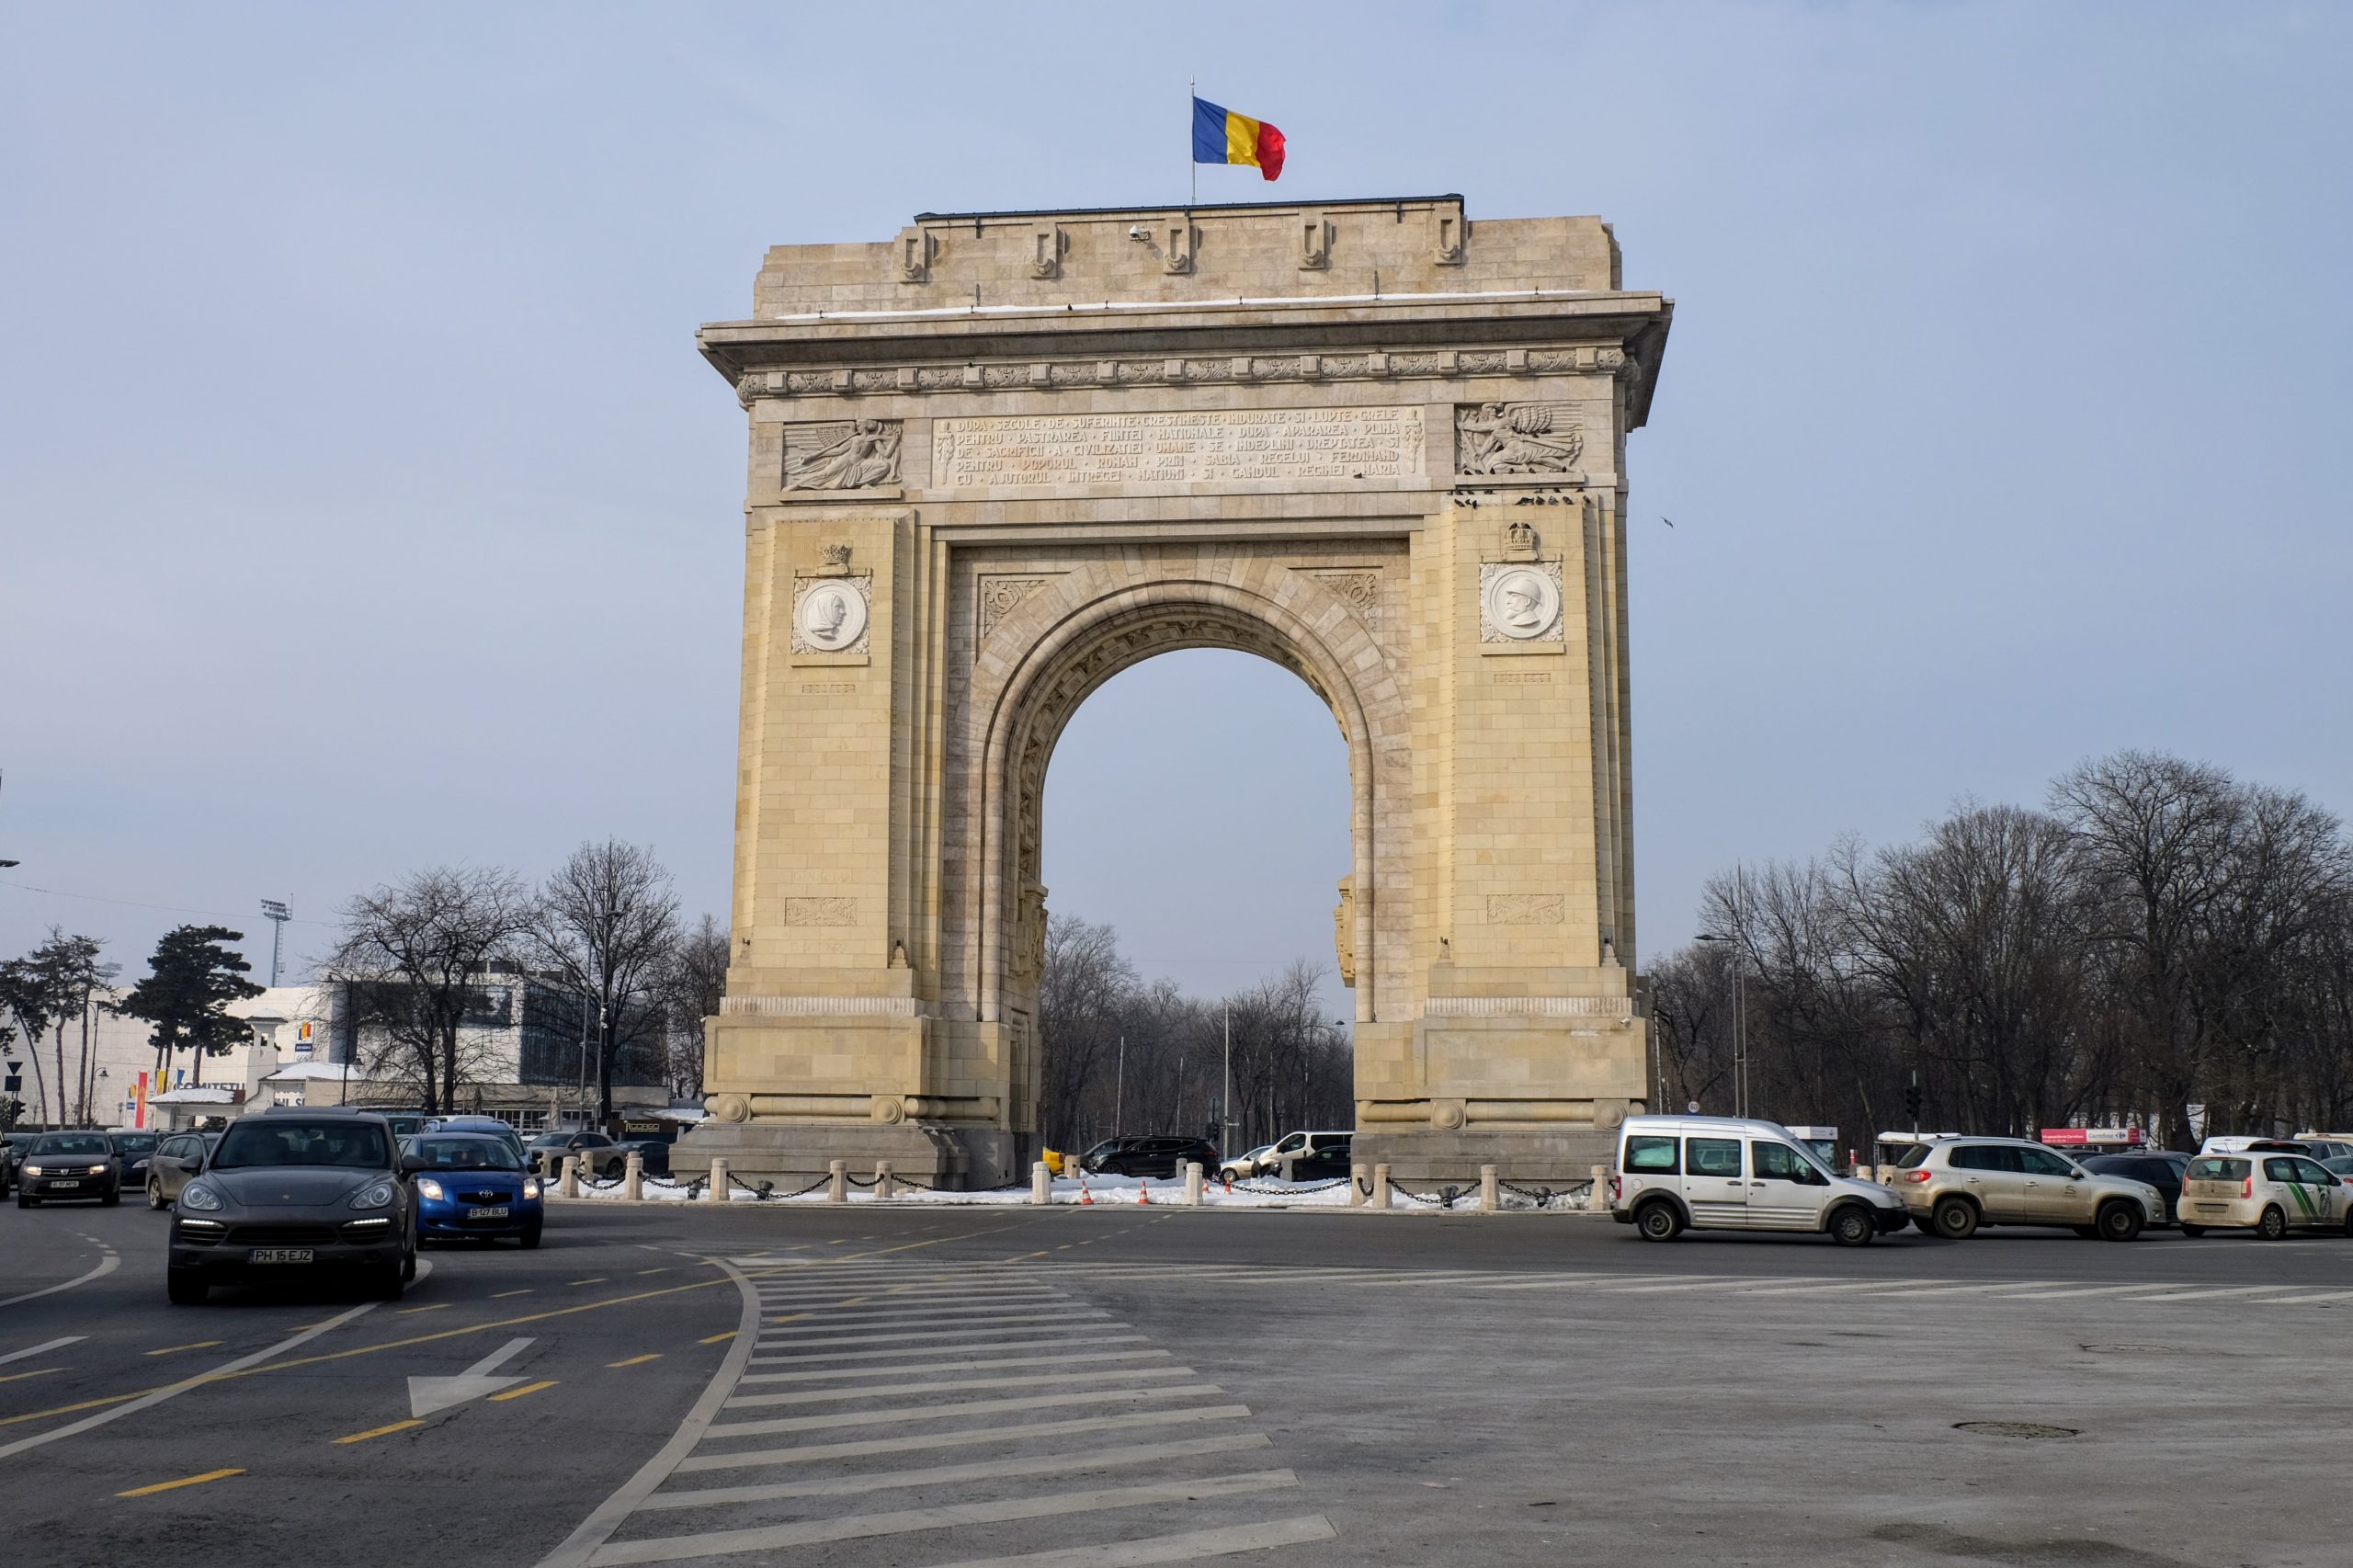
(175, 1350)
(527, 1388)
(471, 1328)
(438, 1306)
(379, 1431)
(791, 1317)
(504, 1294)
(717, 1337)
(636, 1361)
(183, 1480)
(19, 1377)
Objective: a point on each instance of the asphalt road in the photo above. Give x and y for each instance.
(872, 1386)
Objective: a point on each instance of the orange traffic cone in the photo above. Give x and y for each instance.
(1085, 1196)
(1143, 1193)
(1229, 1184)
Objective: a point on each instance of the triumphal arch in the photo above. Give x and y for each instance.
(1002, 456)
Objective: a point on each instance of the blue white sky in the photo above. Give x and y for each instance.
(364, 503)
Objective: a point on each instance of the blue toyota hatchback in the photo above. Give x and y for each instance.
(473, 1184)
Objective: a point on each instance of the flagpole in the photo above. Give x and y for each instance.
(1192, 165)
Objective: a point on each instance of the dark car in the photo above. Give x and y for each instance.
(292, 1193)
(133, 1149)
(62, 1166)
(2161, 1171)
(473, 1184)
(1148, 1157)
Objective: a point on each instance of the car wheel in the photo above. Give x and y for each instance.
(2273, 1225)
(531, 1238)
(1955, 1218)
(613, 1171)
(390, 1286)
(2120, 1222)
(1853, 1227)
(154, 1197)
(24, 1201)
(2192, 1232)
(2089, 1232)
(185, 1286)
(1924, 1224)
(113, 1196)
(408, 1266)
(1658, 1221)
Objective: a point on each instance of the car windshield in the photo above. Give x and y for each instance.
(455, 1153)
(258, 1142)
(135, 1142)
(1911, 1156)
(2218, 1167)
(72, 1143)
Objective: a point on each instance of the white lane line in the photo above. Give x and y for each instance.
(908, 1369)
(881, 1294)
(1189, 1547)
(812, 1453)
(898, 1414)
(599, 1526)
(1897, 1290)
(1054, 1344)
(862, 1527)
(105, 1265)
(1043, 1312)
(996, 1334)
(2044, 1293)
(150, 1400)
(2298, 1300)
(43, 1349)
(2173, 1294)
(1565, 1282)
(954, 1385)
(1826, 1288)
(1685, 1282)
(949, 1474)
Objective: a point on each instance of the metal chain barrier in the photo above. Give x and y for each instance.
(859, 1181)
(1445, 1197)
(1288, 1192)
(911, 1184)
(1545, 1197)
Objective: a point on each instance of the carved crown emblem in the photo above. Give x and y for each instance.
(1519, 538)
(837, 555)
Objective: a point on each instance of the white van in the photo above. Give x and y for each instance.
(1725, 1172)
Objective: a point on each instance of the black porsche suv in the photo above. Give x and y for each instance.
(292, 1192)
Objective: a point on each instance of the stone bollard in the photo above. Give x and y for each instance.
(717, 1191)
(837, 1181)
(633, 1177)
(570, 1187)
(1041, 1183)
(1193, 1184)
(1380, 1187)
(1289, 1167)
(884, 1185)
(1598, 1202)
(1489, 1202)
(1360, 1176)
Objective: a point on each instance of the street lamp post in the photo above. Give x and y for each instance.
(1739, 1006)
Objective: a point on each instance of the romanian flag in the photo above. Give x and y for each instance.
(1221, 136)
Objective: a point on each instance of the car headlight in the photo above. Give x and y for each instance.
(97, 1170)
(426, 1188)
(201, 1198)
(35, 1170)
(377, 1195)
(530, 1190)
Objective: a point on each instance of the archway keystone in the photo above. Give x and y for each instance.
(979, 489)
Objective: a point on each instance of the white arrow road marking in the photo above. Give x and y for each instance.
(40, 1349)
(428, 1395)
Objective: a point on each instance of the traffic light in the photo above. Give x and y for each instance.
(1912, 1101)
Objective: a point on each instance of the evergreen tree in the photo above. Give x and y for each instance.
(192, 977)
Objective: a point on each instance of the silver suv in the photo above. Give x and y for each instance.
(1952, 1185)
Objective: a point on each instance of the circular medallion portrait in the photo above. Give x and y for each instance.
(833, 617)
(1523, 603)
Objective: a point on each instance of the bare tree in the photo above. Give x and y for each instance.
(413, 957)
(693, 979)
(1084, 988)
(605, 923)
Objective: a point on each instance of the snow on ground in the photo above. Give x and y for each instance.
(1265, 1193)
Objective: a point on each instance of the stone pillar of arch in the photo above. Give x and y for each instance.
(1005, 456)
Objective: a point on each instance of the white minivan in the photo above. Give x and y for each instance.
(1729, 1174)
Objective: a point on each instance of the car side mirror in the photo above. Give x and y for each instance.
(412, 1163)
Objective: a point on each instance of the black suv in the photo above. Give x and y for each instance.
(292, 1192)
(1148, 1157)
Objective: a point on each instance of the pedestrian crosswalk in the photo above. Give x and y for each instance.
(960, 1416)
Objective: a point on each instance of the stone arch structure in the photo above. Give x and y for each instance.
(962, 523)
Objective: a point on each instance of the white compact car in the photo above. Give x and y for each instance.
(1725, 1172)
(2266, 1192)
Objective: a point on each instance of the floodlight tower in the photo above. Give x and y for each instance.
(279, 915)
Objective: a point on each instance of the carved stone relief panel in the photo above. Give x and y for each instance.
(1520, 602)
(1357, 587)
(995, 597)
(821, 912)
(832, 614)
(1524, 909)
(1500, 439)
(842, 454)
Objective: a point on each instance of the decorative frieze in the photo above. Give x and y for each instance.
(996, 597)
(821, 912)
(1495, 440)
(1206, 446)
(852, 454)
(1524, 909)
